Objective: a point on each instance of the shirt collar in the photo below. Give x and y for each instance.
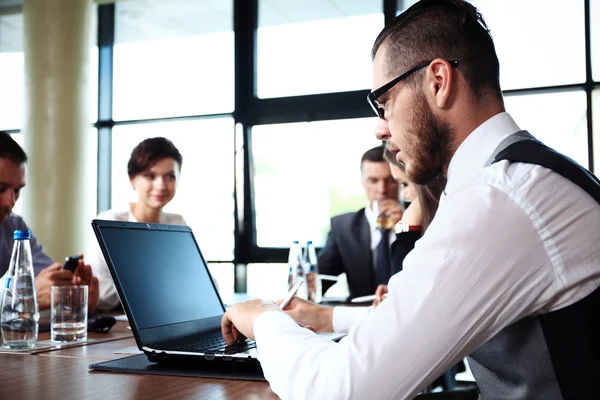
(476, 149)
(371, 218)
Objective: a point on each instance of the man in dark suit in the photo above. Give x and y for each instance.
(352, 243)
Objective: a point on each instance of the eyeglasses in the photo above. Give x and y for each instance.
(374, 96)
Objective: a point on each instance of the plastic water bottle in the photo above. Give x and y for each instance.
(313, 279)
(19, 316)
(296, 269)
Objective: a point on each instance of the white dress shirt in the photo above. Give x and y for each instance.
(376, 233)
(508, 241)
(108, 297)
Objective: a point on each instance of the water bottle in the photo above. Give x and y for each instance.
(312, 275)
(19, 308)
(296, 269)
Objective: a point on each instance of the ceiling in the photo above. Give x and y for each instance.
(140, 20)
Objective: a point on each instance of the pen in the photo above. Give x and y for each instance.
(365, 299)
(288, 297)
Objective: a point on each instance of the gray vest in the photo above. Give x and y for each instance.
(554, 355)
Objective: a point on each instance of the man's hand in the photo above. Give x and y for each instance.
(50, 276)
(380, 294)
(238, 322)
(390, 210)
(310, 315)
(83, 276)
(55, 275)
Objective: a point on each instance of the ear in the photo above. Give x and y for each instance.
(440, 81)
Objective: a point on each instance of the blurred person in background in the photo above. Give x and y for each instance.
(13, 162)
(354, 239)
(153, 169)
(413, 222)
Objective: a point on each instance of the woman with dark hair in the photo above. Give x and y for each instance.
(413, 222)
(153, 170)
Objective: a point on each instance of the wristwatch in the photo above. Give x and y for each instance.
(402, 226)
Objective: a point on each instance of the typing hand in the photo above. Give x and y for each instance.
(380, 294)
(238, 322)
(310, 315)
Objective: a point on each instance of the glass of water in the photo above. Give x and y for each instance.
(69, 313)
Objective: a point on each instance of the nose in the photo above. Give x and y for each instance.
(159, 183)
(381, 187)
(382, 131)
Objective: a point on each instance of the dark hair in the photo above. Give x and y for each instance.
(11, 149)
(373, 155)
(149, 152)
(448, 29)
(429, 197)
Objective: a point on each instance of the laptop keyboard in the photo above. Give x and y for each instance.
(216, 346)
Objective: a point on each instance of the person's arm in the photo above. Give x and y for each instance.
(329, 259)
(108, 298)
(404, 243)
(457, 290)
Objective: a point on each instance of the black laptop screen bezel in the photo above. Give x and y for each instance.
(164, 333)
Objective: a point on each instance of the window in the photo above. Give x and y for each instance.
(172, 58)
(556, 119)
(267, 281)
(18, 208)
(12, 71)
(595, 31)
(205, 191)
(315, 46)
(305, 173)
(223, 274)
(531, 50)
(596, 121)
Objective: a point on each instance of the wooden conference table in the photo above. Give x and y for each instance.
(64, 374)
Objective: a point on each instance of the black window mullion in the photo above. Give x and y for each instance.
(589, 83)
(390, 7)
(106, 40)
(245, 25)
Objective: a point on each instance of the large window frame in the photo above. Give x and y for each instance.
(250, 111)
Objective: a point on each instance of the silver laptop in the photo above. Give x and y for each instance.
(173, 306)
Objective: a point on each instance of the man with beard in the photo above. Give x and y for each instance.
(505, 273)
(47, 274)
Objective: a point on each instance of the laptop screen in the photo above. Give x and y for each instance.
(162, 274)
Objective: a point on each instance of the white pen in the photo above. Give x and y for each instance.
(366, 299)
(288, 297)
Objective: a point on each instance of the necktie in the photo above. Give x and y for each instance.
(382, 258)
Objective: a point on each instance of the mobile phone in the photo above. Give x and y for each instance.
(71, 262)
(101, 324)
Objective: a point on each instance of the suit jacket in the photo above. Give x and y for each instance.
(348, 249)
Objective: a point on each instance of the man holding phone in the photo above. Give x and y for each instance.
(47, 272)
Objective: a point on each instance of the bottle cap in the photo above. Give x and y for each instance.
(22, 235)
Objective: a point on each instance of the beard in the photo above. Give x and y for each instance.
(428, 143)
